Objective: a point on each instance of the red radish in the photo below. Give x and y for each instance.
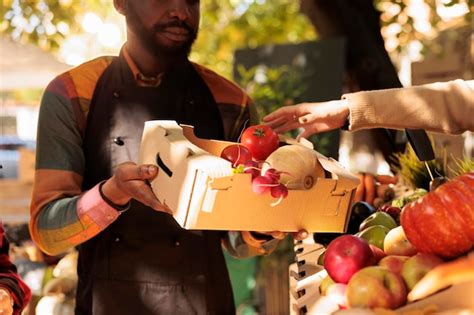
(251, 167)
(279, 191)
(262, 184)
(273, 174)
(236, 154)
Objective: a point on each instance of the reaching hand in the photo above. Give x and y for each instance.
(130, 182)
(311, 117)
(6, 303)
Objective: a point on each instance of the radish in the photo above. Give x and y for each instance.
(273, 174)
(251, 167)
(262, 184)
(279, 191)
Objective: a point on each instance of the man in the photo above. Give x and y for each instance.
(14, 293)
(89, 193)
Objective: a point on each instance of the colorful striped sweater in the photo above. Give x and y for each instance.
(64, 216)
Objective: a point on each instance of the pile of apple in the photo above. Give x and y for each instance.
(256, 144)
(377, 266)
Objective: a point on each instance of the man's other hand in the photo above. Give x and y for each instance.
(130, 181)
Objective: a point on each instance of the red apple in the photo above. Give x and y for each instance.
(393, 263)
(376, 287)
(346, 255)
(378, 253)
(393, 211)
(417, 266)
(396, 243)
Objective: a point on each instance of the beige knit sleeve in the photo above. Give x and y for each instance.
(446, 107)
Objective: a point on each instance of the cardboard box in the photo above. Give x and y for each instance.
(203, 193)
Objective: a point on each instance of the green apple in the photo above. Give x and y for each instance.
(375, 235)
(396, 243)
(321, 258)
(325, 284)
(375, 286)
(417, 266)
(378, 218)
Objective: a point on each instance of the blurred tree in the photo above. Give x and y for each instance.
(231, 24)
(226, 25)
(47, 22)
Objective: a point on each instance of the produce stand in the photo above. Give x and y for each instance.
(437, 269)
(305, 297)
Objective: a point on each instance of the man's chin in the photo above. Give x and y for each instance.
(173, 50)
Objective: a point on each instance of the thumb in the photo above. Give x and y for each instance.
(148, 171)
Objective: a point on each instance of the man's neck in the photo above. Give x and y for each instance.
(147, 63)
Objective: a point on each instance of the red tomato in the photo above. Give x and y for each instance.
(261, 140)
(236, 154)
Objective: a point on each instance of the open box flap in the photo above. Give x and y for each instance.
(333, 166)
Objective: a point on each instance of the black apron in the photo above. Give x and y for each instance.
(144, 262)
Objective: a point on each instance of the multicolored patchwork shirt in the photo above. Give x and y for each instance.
(138, 261)
(62, 214)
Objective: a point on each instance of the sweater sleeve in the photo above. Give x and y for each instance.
(9, 278)
(446, 107)
(62, 215)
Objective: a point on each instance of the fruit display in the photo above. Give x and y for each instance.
(398, 255)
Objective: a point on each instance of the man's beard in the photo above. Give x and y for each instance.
(147, 37)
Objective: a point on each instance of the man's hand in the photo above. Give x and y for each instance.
(130, 182)
(300, 235)
(6, 303)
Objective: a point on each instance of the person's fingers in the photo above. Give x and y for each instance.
(278, 235)
(311, 129)
(140, 191)
(275, 234)
(281, 112)
(278, 121)
(300, 235)
(288, 113)
(307, 119)
(130, 171)
(289, 125)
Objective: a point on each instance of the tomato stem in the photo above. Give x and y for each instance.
(259, 132)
